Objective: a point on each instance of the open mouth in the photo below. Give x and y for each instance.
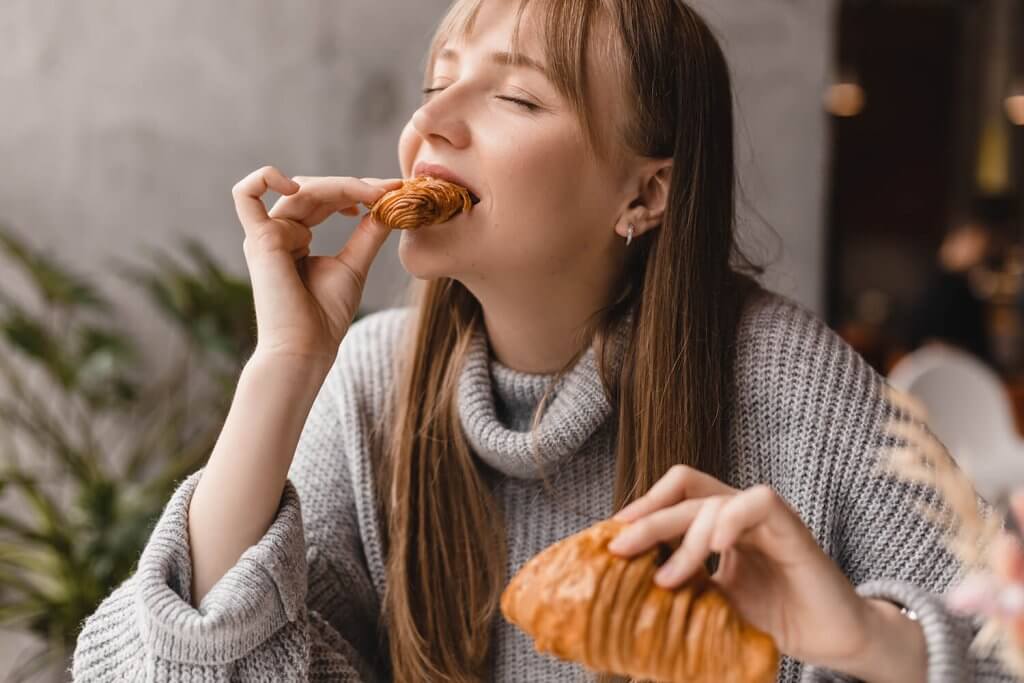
(472, 195)
(443, 173)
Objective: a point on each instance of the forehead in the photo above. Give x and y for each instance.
(548, 31)
(569, 41)
(509, 29)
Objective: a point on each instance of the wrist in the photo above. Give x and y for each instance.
(894, 647)
(312, 366)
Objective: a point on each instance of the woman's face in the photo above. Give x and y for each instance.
(548, 205)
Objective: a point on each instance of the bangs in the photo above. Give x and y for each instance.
(565, 27)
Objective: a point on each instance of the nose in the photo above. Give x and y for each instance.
(442, 119)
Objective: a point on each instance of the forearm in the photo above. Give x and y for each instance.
(241, 486)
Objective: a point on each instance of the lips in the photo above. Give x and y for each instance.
(444, 173)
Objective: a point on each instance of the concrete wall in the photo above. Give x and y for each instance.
(126, 124)
(780, 54)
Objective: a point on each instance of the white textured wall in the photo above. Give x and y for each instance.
(780, 53)
(126, 123)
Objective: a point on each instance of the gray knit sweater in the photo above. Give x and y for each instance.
(304, 602)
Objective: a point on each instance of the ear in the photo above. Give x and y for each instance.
(645, 208)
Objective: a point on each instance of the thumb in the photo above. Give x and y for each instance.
(362, 247)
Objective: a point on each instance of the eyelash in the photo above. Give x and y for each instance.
(530, 106)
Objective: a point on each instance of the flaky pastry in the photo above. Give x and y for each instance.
(580, 602)
(421, 201)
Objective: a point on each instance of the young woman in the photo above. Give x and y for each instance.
(584, 338)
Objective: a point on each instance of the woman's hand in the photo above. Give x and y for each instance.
(305, 304)
(773, 571)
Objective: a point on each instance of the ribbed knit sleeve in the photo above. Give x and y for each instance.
(833, 412)
(297, 606)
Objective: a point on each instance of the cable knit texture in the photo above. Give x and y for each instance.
(304, 602)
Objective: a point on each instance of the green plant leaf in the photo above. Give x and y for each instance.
(105, 359)
(78, 546)
(37, 560)
(47, 435)
(32, 338)
(212, 309)
(21, 531)
(50, 518)
(14, 582)
(41, 659)
(55, 284)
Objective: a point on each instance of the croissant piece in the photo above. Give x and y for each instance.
(421, 201)
(581, 602)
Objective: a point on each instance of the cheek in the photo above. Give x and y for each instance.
(534, 183)
(546, 199)
(408, 145)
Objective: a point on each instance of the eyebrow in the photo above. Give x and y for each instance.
(503, 59)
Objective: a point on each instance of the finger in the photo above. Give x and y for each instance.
(678, 483)
(695, 548)
(743, 513)
(342, 191)
(320, 197)
(363, 246)
(662, 525)
(248, 194)
(319, 215)
(384, 184)
(278, 235)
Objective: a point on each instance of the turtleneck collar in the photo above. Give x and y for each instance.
(497, 405)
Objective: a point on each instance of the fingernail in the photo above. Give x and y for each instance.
(619, 544)
(663, 577)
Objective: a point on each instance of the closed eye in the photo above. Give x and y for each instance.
(529, 106)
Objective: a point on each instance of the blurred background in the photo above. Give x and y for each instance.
(880, 145)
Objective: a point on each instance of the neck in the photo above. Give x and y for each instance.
(533, 341)
(537, 335)
(538, 324)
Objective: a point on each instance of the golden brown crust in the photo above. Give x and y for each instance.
(421, 201)
(581, 602)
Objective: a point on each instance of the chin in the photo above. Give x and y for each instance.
(423, 257)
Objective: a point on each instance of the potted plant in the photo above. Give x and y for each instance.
(92, 444)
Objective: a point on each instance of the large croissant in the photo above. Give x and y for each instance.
(421, 201)
(582, 603)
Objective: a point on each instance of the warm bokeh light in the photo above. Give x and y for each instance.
(845, 99)
(1015, 108)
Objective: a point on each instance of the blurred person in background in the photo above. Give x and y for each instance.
(950, 311)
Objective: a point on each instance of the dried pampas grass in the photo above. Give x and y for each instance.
(920, 457)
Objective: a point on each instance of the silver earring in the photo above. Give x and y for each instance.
(629, 234)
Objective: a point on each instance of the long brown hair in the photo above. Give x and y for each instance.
(683, 285)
